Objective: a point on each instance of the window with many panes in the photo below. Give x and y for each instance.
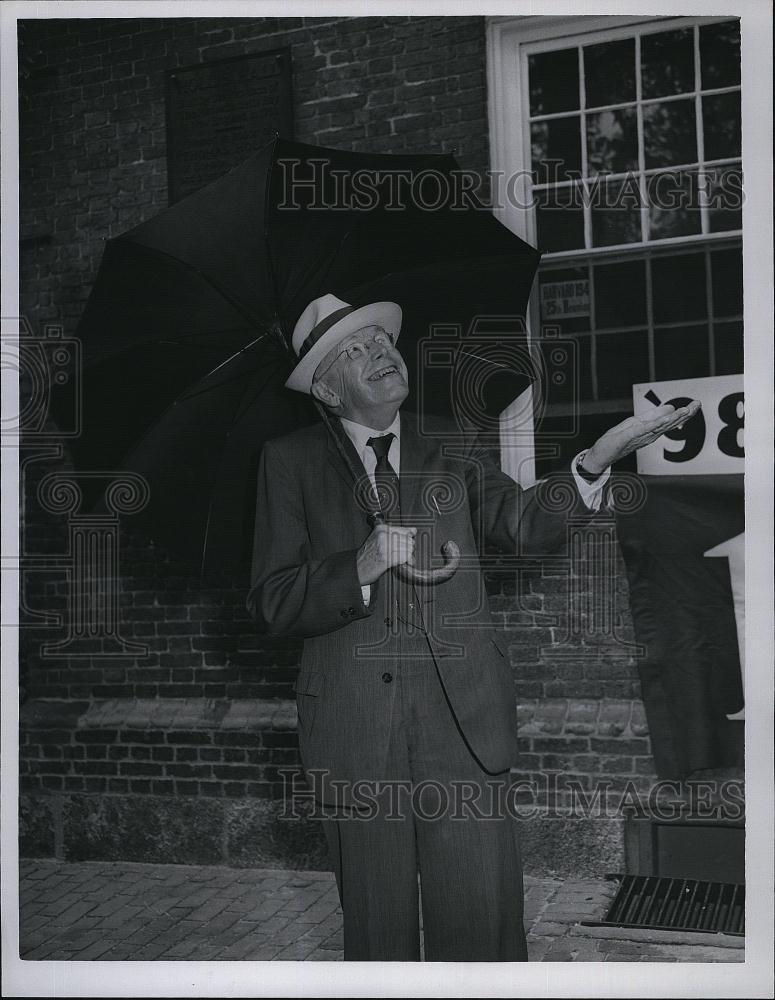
(631, 139)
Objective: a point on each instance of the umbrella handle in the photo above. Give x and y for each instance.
(425, 577)
(451, 552)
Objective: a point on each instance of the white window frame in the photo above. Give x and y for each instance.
(509, 40)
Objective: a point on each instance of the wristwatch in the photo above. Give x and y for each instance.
(588, 477)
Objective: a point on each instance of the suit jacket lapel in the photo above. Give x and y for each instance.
(416, 457)
(350, 471)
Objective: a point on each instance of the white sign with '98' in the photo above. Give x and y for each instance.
(710, 442)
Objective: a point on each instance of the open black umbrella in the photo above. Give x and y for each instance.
(187, 328)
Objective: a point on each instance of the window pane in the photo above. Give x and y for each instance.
(556, 139)
(554, 82)
(727, 271)
(560, 222)
(681, 353)
(667, 63)
(609, 73)
(720, 54)
(721, 124)
(620, 294)
(678, 288)
(612, 141)
(622, 361)
(669, 133)
(728, 344)
(615, 212)
(724, 186)
(674, 208)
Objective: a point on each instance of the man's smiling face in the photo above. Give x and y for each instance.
(366, 385)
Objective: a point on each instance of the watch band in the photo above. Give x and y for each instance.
(588, 477)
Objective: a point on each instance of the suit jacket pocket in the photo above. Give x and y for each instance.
(309, 682)
(499, 648)
(308, 686)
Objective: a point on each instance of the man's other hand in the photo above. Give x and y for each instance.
(634, 433)
(388, 545)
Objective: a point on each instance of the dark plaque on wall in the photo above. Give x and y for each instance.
(218, 113)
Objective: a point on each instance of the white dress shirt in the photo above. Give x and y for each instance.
(359, 434)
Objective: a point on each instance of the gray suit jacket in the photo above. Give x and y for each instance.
(309, 526)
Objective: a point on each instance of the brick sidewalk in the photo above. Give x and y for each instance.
(112, 911)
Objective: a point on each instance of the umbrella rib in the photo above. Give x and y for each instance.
(487, 361)
(193, 393)
(196, 343)
(238, 306)
(210, 388)
(267, 249)
(127, 457)
(334, 257)
(235, 355)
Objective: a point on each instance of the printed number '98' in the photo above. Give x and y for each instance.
(731, 410)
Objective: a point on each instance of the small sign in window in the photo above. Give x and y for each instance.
(561, 299)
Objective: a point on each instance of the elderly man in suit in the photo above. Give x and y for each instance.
(405, 697)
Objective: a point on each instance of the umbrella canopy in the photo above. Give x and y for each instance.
(187, 329)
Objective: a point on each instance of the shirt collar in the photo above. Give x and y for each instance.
(359, 434)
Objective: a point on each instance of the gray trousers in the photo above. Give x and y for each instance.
(440, 815)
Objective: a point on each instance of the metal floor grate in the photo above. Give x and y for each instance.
(676, 904)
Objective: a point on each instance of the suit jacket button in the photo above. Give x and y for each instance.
(388, 622)
(387, 678)
(344, 613)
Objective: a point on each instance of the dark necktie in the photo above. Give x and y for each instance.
(402, 596)
(385, 477)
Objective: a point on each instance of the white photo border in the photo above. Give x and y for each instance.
(753, 978)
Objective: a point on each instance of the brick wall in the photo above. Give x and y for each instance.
(171, 754)
(92, 117)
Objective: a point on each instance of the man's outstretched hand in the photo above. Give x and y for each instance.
(636, 432)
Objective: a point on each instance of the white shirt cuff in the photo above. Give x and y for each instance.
(590, 493)
(366, 591)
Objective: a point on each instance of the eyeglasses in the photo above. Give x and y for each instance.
(360, 349)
